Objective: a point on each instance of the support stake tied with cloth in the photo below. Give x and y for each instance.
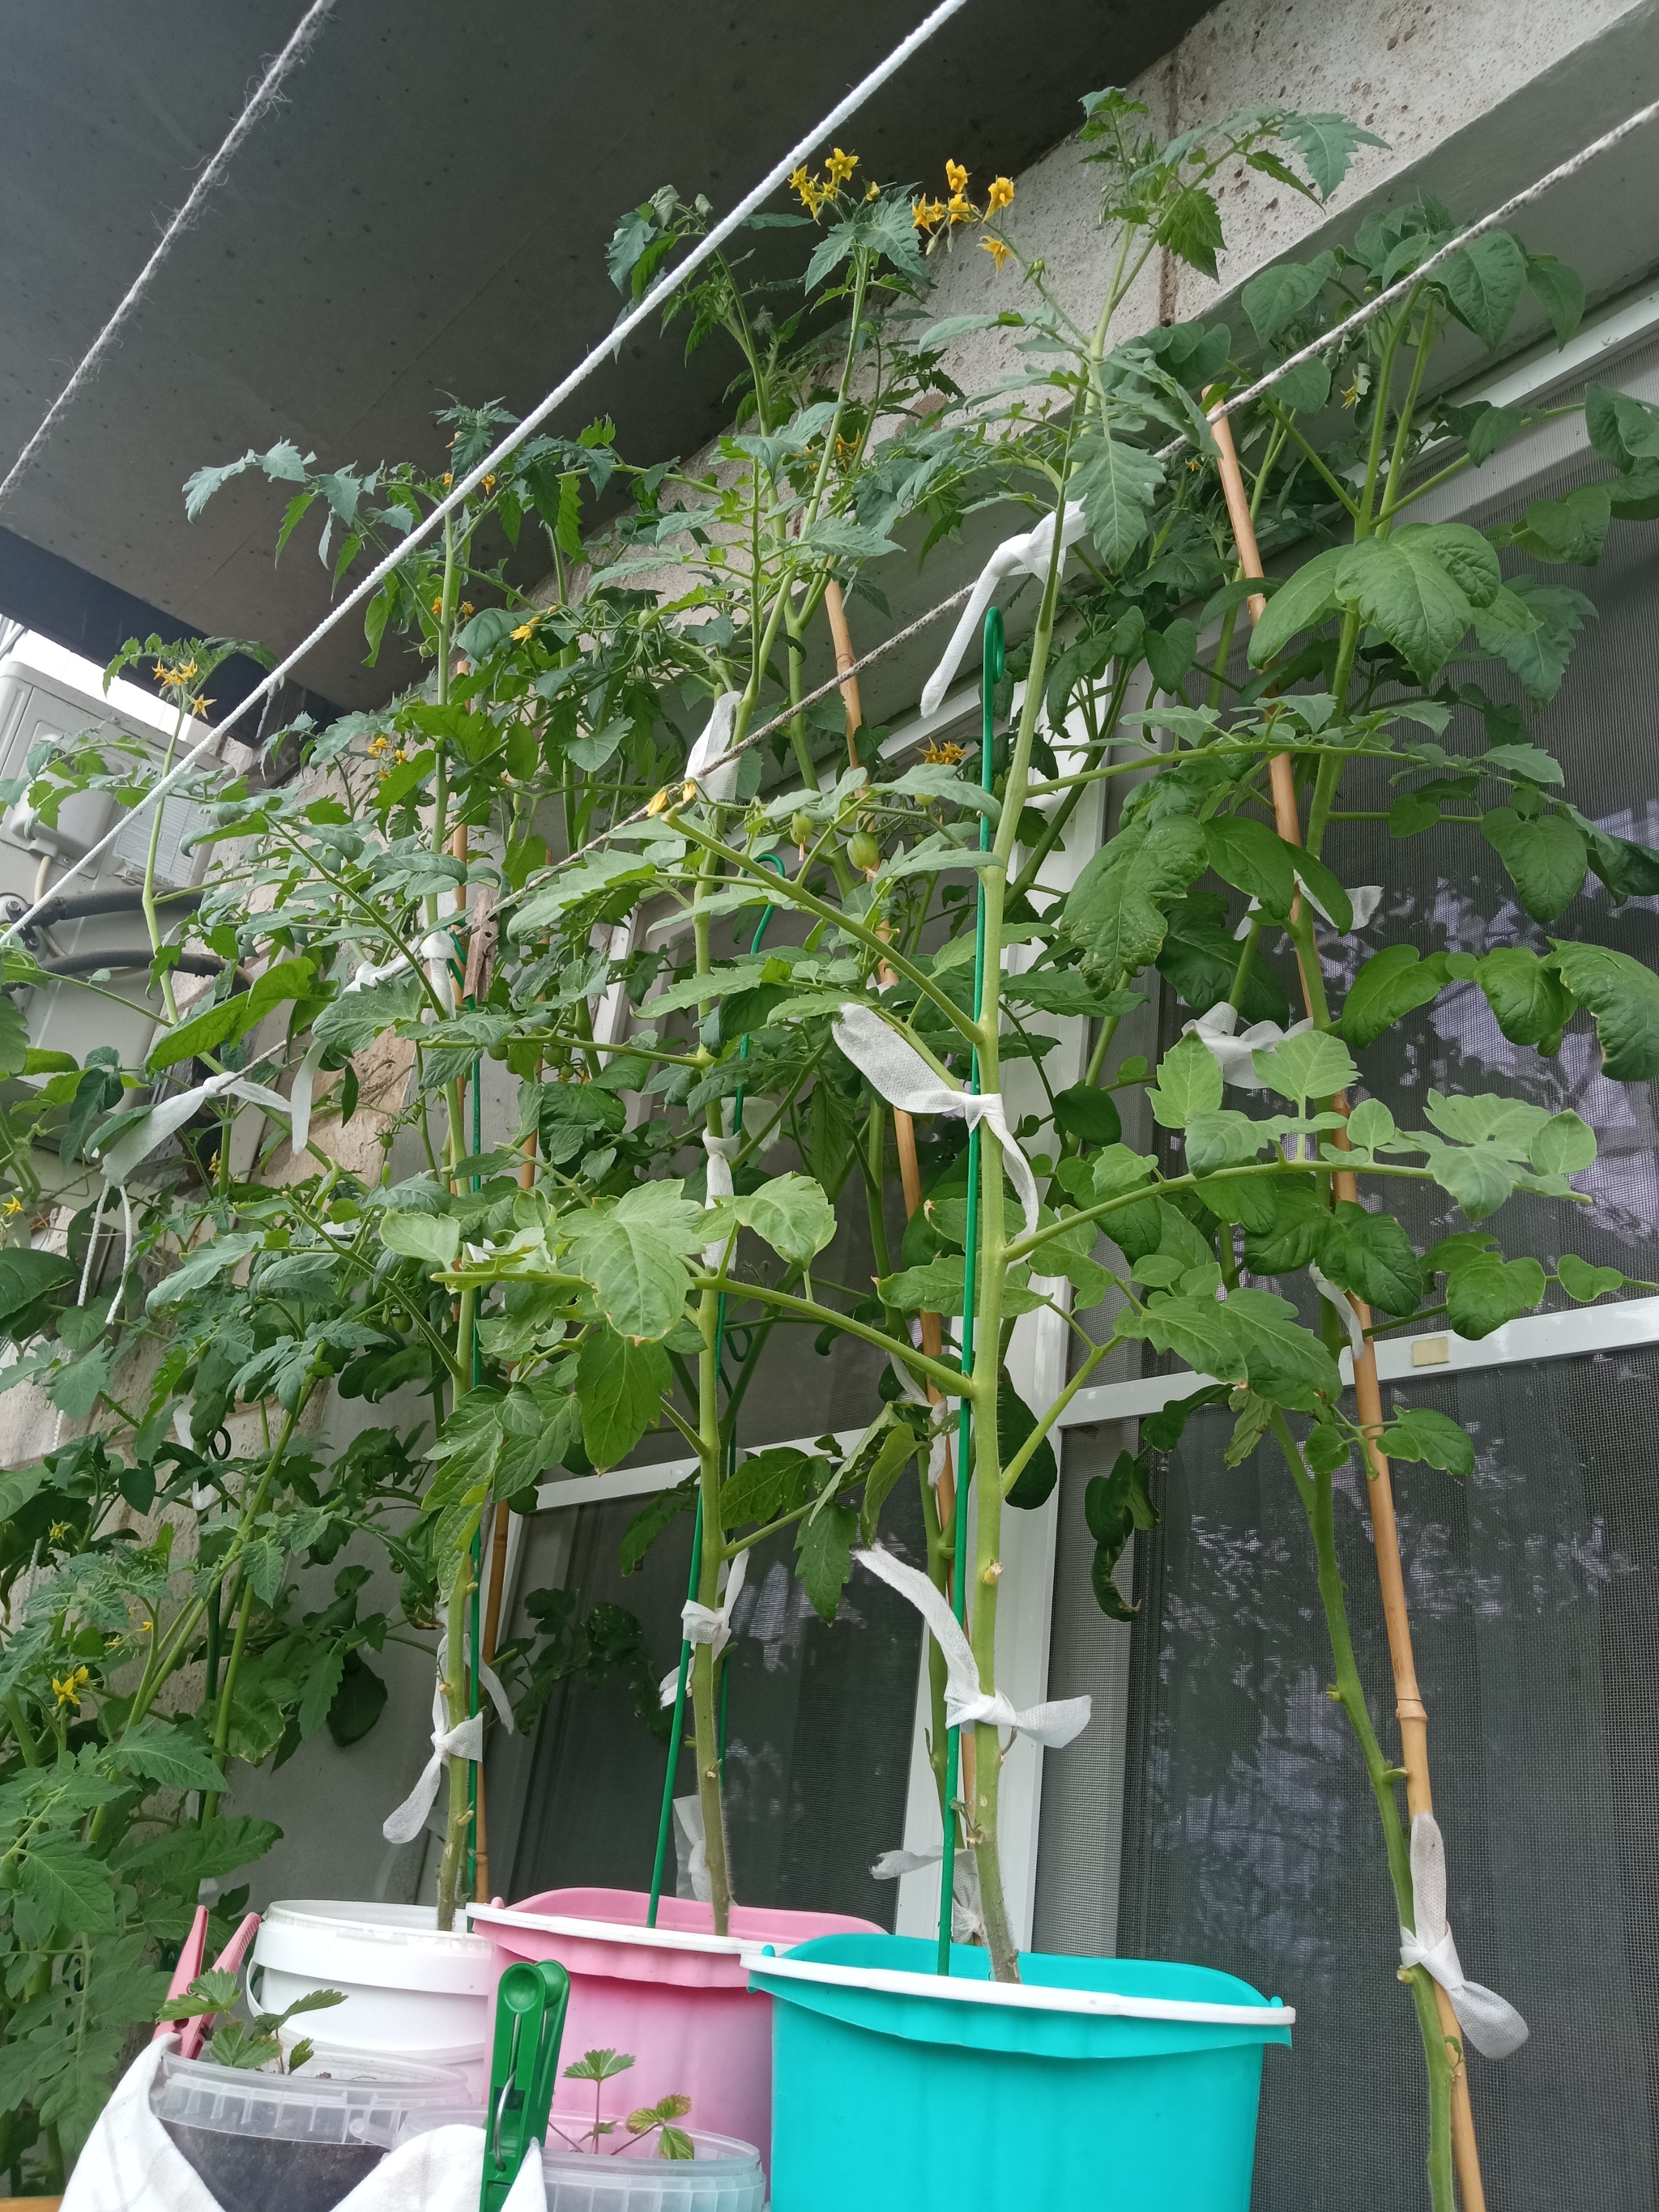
(1409, 1709)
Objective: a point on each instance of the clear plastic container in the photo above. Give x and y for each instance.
(626, 2176)
(724, 2176)
(296, 2143)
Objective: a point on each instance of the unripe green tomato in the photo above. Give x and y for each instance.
(864, 852)
(800, 829)
(499, 1051)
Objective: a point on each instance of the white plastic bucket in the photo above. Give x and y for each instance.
(410, 1991)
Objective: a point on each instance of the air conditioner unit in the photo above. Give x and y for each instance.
(45, 694)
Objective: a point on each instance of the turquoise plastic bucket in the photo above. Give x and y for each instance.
(1095, 2082)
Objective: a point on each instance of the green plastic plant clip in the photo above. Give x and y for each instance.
(530, 2009)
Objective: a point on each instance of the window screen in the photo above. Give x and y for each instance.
(819, 1718)
(1252, 1838)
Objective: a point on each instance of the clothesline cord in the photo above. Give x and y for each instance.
(648, 305)
(264, 97)
(490, 464)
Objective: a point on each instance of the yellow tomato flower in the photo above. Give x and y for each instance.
(489, 484)
(839, 167)
(68, 1691)
(447, 479)
(938, 755)
(874, 192)
(1001, 194)
(955, 175)
(526, 629)
(175, 679)
(926, 214)
(438, 604)
(467, 607)
(962, 210)
(813, 190)
(657, 801)
(998, 252)
(13, 1206)
(57, 1531)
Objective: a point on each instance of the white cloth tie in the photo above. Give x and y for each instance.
(711, 766)
(1233, 1049)
(721, 1152)
(1364, 899)
(688, 1819)
(133, 1147)
(466, 1741)
(1053, 1724)
(1345, 1306)
(706, 1623)
(1028, 554)
(437, 949)
(967, 1911)
(1491, 2022)
(905, 1079)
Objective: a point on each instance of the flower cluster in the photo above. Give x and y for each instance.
(930, 215)
(68, 1690)
(381, 749)
(812, 190)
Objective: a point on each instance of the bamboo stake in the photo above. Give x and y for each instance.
(1409, 1709)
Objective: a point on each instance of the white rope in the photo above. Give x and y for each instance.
(1398, 290)
(293, 54)
(490, 464)
(1331, 338)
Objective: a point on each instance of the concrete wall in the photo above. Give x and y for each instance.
(1421, 74)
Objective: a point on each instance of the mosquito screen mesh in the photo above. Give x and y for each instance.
(1253, 1837)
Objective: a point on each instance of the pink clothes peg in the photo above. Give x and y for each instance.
(227, 1962)
(189, 1966)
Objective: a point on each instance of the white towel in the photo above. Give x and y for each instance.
(131, 2164)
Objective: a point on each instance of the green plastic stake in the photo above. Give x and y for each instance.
(990, 676)
(530, 2001)
(665, 1818)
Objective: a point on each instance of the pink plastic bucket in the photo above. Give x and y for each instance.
(675, 1996)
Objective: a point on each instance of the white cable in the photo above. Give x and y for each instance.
(490, 464)
(1167, 452)
(293, 54)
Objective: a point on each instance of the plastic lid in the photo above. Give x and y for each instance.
(398, 2100)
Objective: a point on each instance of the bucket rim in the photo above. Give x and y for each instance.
(615, 1931)
(1015, 1996)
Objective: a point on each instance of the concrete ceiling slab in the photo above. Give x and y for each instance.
(425, 214)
